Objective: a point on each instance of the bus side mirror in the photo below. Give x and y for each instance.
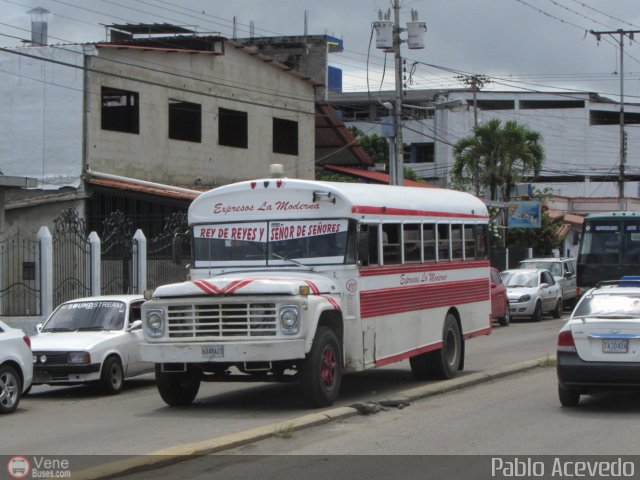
(176, 249)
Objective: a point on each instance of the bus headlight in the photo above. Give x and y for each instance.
(289, 319)
(154, 324)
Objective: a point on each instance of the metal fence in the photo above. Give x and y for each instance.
(20, 292)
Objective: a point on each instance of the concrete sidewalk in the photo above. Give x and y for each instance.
(181, 453)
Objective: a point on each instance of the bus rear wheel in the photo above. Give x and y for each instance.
(321, 373)
(445, 362)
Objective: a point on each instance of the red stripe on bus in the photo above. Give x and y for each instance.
(388, 301)
(314, 288)
(411, 353)
(414, 213)
(335, 304)
(422, 267)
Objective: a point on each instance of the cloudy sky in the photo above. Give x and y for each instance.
(522, 44)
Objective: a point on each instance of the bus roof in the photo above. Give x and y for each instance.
(290, 198)
(611, 215)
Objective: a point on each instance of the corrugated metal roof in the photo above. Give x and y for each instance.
(136, 187)
(335, 144)
(377, 177)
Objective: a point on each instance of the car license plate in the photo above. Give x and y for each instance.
(615, 345)
(213, 351)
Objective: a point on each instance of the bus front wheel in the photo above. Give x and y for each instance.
(445, 362)
(322, 369)
(178, 388)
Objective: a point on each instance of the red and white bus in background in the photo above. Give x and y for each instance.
(302, 280)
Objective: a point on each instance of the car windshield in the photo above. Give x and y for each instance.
(609, 305)
(97, 315)
(554, 267)
(521, 279)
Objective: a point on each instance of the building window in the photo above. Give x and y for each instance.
(285, 136)
(185, 121)
(120, 111)
(422, 152)
(233, 128)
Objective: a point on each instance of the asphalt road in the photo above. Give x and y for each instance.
(79, 421)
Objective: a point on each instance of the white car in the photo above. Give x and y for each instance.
(16, 367)
(599, 346)
(532, 293)
(91, 340)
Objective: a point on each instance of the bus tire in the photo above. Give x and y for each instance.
(178, 388)
(445, 362)
(420, 366)
(321, 372)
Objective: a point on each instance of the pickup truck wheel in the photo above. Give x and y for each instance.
(445, 362)
(321, 373)
(112, 376)
(178, 388)
(10, 389)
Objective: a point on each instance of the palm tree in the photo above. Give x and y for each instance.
(497, 156)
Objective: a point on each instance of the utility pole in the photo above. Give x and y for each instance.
(623, 153)
(476, 82)
(397, 177)
(388, 39)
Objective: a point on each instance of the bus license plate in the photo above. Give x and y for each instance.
(213, 351)
(615, 345)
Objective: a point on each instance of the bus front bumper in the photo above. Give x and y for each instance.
(224, 352)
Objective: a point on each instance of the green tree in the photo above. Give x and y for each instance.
(377, 148)
(497, 156)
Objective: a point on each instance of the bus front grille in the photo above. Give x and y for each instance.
(222, 320)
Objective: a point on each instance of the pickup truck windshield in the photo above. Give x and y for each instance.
(271, 243)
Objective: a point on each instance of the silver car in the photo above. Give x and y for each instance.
(564, 273)
(532, 293)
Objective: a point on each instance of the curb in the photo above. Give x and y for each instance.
(180, 453)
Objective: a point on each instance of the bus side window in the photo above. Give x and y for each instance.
(456, 242)
(469, 242)
(443, 242)
(368, 245)
(411, 240)
(429, 235)
(391, 243)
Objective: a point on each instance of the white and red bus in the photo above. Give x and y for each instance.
(302, 280)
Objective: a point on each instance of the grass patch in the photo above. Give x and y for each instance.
(548, 362)
(284, 431)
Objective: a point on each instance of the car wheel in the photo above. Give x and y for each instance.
(321, 373)
(10, 389)
(445, 362)
(178, 388)
(537, 312)
(506, 320)
(112, 376)
(557, 313)
(568, 398)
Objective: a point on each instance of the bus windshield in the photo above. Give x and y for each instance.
(272, 243)
(609, 248)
